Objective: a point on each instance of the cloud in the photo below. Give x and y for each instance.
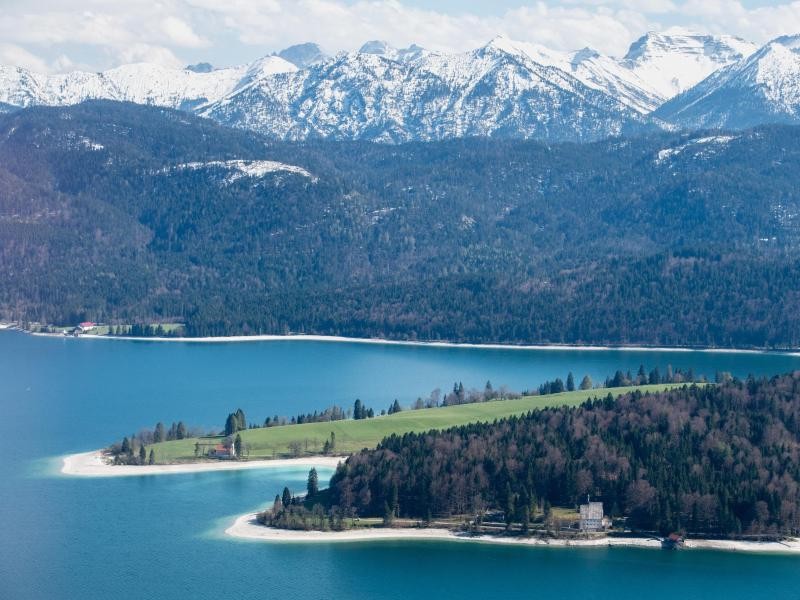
(181, 33)
(11, 54)
(103, 33)
(339, 25)
(150, 54)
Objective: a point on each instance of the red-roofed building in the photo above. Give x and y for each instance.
(220, 451)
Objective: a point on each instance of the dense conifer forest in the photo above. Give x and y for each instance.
(672, 239)
(711, 460)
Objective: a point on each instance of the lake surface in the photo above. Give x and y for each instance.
(161, 536)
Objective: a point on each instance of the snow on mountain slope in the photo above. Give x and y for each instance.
(764, 88)
(260, 69)
(20, 87)
(367, 95)
(673, 61)
(142, 83)
(703, 147)
(594, 70)
(237, 169)
(162, 86)
(505, 88)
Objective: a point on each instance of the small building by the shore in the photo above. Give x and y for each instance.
(223, 452)
(592, 517)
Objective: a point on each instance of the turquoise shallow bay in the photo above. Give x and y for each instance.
(161, 536)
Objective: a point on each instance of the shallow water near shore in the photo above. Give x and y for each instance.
(134, 537)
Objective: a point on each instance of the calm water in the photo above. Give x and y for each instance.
(160, 536)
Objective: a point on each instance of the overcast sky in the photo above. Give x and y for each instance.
(61, 35)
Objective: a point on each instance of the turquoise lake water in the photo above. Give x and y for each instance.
(160, 536)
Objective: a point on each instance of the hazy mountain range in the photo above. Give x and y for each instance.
(674, 79)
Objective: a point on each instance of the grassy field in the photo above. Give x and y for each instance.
(99, 329)
(351, 436)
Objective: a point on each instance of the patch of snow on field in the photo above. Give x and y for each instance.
(714, 140)
(247, 168)
(89, 144)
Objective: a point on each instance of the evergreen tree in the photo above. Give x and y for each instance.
(286, 498)
(357, 410)
(241, 421)
(126, 446)
(238, 446)
(152, 459)
(231, 424)
(586, 383)
(159, 435)
(142, 454)
(312, 485)
(180, 433)
(570, 382)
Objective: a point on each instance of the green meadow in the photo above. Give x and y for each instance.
(351, 435)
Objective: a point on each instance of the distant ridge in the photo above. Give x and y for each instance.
(506, 88)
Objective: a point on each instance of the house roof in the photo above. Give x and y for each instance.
(592, 510)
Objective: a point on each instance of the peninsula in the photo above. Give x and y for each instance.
(695, 462)
(322, 436)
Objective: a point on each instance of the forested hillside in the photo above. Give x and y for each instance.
(119, 213)
(721, 460)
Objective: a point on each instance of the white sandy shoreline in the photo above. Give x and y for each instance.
(95, 464)
(432, 344)
(245, 527)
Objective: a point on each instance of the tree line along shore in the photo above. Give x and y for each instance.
(718, 461)
(684, 458)
(535, 243)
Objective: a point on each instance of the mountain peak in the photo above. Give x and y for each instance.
(380, 47)
(535, 52)
(386, 50)
(201, 67)
(674, 60)
(792, 42)
(303, 55)
(584, 54)
(762, 88)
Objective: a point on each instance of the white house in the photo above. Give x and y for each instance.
(592, 517)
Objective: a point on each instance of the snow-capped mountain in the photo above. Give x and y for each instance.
(505, 88)
(675, 60)
(764, 88)
(388, 96)
(303, 55)
(142, 83)
(594, 70)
